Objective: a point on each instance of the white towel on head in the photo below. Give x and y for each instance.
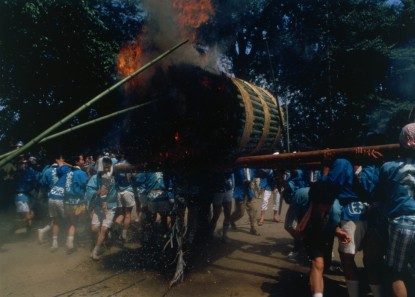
(100, 168)
(407, 136)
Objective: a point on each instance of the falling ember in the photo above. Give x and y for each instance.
(193, 13)
(129, 59)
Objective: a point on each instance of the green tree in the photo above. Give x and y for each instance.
(54, 55)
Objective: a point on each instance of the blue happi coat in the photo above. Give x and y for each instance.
(341, 177)
(75, 186)
(155, 187)
(242, 189)
(94, 184)
(396, 188)
(368, 179)
(26, 181)
(267, 179)
(297, 180)
(49, 176)
(57, 191)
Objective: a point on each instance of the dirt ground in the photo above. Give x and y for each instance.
(246, 266)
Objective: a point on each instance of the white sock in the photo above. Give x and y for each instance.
(318, 295)
(353, 288)
(55, 241)
(96, 249)
(69, 242)
(376, 290)
(124, 234)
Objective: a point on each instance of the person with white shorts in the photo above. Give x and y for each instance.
(353, 224)
(26, 179)
(125, 205)
(49, 177)
(101, 195)
(125, 201)
(56, 197)
(102, 217)
(268, 186)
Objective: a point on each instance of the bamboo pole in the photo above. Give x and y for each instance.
(272, 161)
(97, 120)
(103, 118)
(52, 128)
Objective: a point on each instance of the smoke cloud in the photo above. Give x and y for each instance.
(169, 22)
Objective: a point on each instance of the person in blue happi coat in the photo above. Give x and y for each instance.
(48, 179)
(269, 186)
(243, 195)
(26, 181)
(396, 191)
(126, 199)
(219, 189)
(155, 196)
(365, 182)
(101, 196)
(74, 201)
(295, 194)
(56, 197)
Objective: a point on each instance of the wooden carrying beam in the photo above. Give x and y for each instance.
(312, 157)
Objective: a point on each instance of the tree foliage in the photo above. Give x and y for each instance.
(54, 55)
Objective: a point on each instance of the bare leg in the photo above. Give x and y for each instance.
(261, 218)
(350, 273)
(277, 206)
(127, 221)
(71, 232)
(101, 236)
(217, 210)
(252, 216)
(398, 285)
(372, 260)
(227, 207)
(55, 232)
(399, 289)
(237, 213)
(264, 205)
(120, 217)
(138, 211)
(100, 239)
(28, 219)
(316, 275)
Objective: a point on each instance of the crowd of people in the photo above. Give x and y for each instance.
(367, 206)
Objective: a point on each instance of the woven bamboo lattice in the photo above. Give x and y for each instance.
(262, 124)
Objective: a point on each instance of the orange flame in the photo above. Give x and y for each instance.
(192, 14)
(129, 59)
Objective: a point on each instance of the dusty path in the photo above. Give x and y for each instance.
(246, 266)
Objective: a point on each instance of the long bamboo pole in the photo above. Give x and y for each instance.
(52, 128)
(272, 161)
(97, 120)
(103, 118)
